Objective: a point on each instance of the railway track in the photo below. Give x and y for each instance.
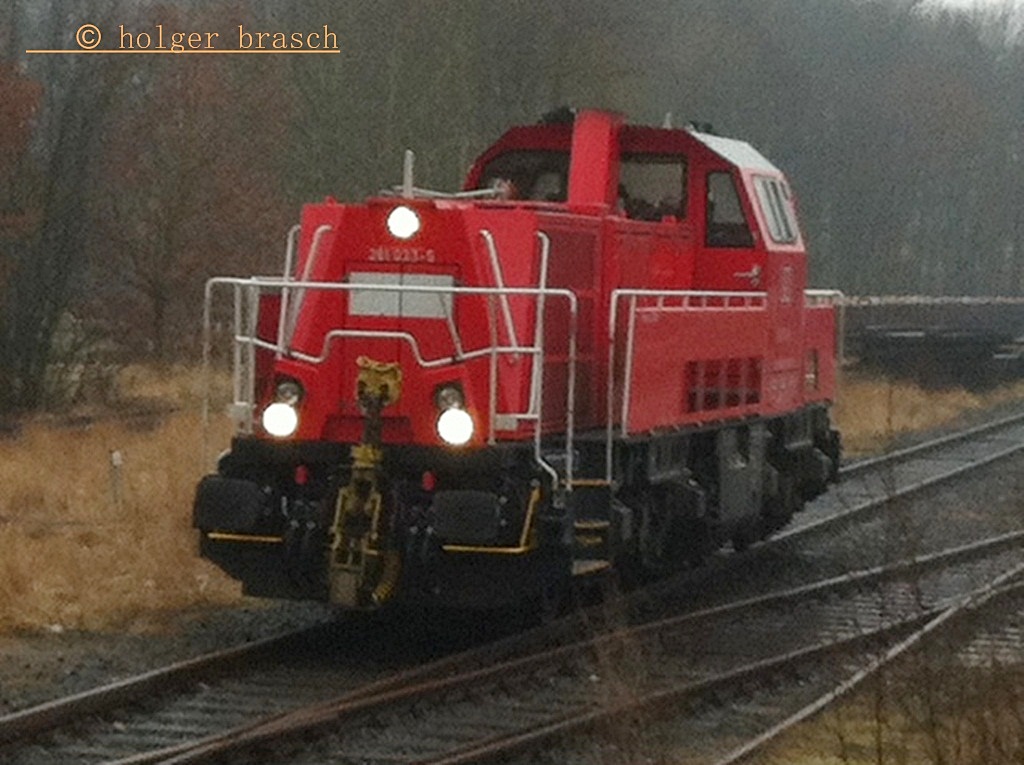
(869, 484)
(857, 513)
(188, 700)
(201, 699)
(704, 662)
(1005, 592)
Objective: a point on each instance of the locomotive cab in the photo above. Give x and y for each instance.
(600, 355)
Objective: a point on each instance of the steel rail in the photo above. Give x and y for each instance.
(571, 724)
(980, 597)
(930, 620)
(863, 465)
(38, 719)
(50, 716)
(363, 702)
(807, 523)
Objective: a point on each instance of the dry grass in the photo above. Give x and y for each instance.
(872, 413)
(178, 384)
(89, 546)
(964, 717)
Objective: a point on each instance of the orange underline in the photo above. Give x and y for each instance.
(190, 52)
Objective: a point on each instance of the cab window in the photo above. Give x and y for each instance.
(540, 176)
(726, 224)
(652, 186)
(777, 208)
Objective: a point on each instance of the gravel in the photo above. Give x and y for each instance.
(39, 666)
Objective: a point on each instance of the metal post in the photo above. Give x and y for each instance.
(492, 325)
(571, 396)
(307, 271)
(499, 281)
(407, 167)
(289, 256)
(628, 372)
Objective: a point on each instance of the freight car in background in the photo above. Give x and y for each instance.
(937, 341)
(598, 356)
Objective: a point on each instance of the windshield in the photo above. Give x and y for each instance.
(541, 176)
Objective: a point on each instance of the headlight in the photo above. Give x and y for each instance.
(280, 419)
(288, 392)
(449, 396)
(455, 426)
(403, 222)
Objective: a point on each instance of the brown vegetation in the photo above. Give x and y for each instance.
(946, 714)
(873, 413)
(87, 544)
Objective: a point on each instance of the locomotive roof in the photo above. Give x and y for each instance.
(558, 137)
(602, 134)
(739, 153)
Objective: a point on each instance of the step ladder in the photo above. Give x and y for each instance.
(589, 506)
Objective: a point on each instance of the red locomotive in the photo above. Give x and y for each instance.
(599, 355)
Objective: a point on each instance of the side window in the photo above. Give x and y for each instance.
(727, 226)
(652, 186)
(777, 208)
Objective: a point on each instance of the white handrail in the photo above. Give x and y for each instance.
(287, 330)
(289, 259)
(536, 405)
(838, 300)
(699, 300)
(499, 281)
(253, 286)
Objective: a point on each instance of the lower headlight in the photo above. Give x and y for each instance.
(280, 419)
(455, 426)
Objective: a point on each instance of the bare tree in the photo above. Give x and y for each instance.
(46, 264)
(189, 189)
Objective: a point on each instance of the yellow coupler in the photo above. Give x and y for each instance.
(364, 570)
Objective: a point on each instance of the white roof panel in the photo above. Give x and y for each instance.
(739, 153)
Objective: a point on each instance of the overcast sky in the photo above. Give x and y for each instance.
(974, 3)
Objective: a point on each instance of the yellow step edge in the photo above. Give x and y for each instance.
(221, 536)
(589, 567)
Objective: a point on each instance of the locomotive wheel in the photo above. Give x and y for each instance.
(782, 504)
(748, 532)
(672, 535)
(630, 572)
(551, 600)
